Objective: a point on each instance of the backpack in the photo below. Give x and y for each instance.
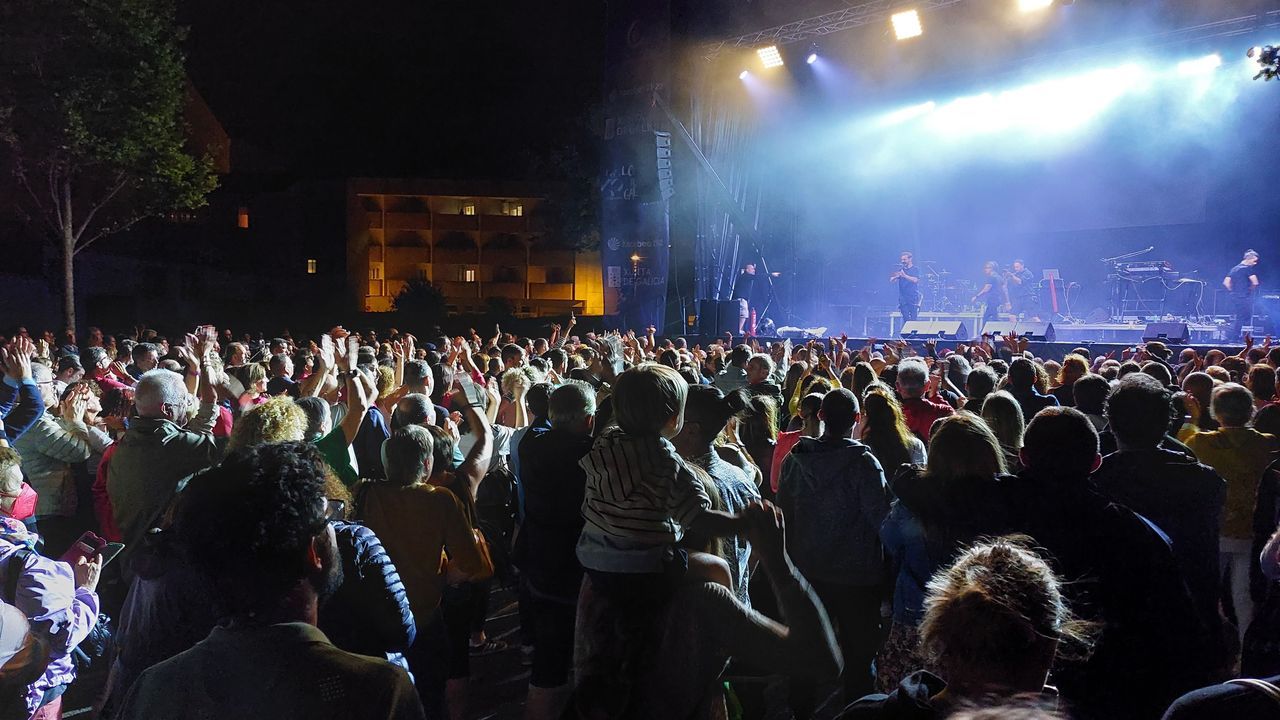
(496, 507)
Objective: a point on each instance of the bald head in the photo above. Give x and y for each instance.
(413, 409)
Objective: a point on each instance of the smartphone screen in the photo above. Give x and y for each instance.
(110, 551)
(471, 390)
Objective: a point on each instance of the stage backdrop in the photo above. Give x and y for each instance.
(635, 227)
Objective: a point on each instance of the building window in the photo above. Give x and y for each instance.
(375, 271)
(242, 218)
(514, 209)
(468, 208)
(469, 275)
(311, 266)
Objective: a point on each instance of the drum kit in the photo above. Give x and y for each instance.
(945, 292)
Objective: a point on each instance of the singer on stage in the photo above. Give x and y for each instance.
(908, 279)
(1242, 282)
(1022, 290)
(750, 296)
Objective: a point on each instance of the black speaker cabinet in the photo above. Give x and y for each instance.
(717, 317)
(1170, 333)
(941, 329)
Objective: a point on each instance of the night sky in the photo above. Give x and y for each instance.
(396, 87)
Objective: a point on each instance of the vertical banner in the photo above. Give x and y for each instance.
(635, 228)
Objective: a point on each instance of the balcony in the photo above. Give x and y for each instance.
(408, 221)
(443, 223)
(509, 290)
(504, 223)
(459, 290)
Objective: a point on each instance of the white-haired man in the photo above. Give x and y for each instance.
(162, 449)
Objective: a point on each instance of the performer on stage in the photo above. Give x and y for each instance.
(746, 291)
(1242, 283)
(1022, 290)
(908, 279)
(994, 292)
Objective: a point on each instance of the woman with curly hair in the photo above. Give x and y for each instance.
(276, 420)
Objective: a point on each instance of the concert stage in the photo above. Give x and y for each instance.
(1043, 350)
(888, 325)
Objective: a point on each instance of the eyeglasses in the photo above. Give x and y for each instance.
(334, 510)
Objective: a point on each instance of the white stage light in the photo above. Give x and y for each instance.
(1200, 66)
(770, 56)
(743, 75)
(813, 58)
(1033, 5)
(906, 24)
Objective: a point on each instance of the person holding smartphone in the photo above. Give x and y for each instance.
(59, 595)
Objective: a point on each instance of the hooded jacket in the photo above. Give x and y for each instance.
(835, 497)
(913, 700)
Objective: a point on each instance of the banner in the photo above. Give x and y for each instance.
(635, 228)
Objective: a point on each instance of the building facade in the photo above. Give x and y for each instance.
(476, 242)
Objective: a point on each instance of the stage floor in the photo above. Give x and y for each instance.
(1128, 331)
(1043, 350)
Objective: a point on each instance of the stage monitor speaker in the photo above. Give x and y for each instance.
(1170, 333)
(1030, 329)
(941, 329)
(999, 328)
(1036, 330)
(717, 317)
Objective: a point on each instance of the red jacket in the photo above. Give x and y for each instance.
(921, 414)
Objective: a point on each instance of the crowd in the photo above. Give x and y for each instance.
(242, 526)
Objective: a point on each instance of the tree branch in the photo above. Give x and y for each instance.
(88, 216)
(25, 181)
(53, 195)
(120, 227)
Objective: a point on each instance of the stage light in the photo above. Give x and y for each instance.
(743, 75)
(1033, 5)
(813, 58)
(1200, 66)
(770, 56)
(906, 24)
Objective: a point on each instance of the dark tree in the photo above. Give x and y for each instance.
(91, 102)
(419, 303)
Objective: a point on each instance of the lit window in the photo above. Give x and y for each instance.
(469, 209)
(375, 271)
(311, 266)
(242, 218)
(514, 209)
(469, 275)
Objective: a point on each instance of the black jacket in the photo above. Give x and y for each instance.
(369, 614)
(1118, 570)
(1183, 498)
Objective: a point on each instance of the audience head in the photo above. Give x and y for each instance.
(1267, 419)
(1073, 368)
(146, 356)
(1003, 415)
(407, 455)
(863, 375)
(963, 446)
(912, 376)
(1138, 411)
(759, 368)
(1022, 374)
(1232, 405)
(839, 413)
(257, 525)
(1060, 442)
(319, 417)
(537, 399)
(706, 413)
(649, 400)
(418, 377)
(274, 421)
(994, 618)
(163, 395)
(980, 383)
(739, 356)
(572, 408)
(1262, 382)
(413, 409)
(1090, 394)
(1159, 371)
(758, 420)
(281, 365)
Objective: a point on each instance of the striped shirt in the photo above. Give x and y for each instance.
(640, 499)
